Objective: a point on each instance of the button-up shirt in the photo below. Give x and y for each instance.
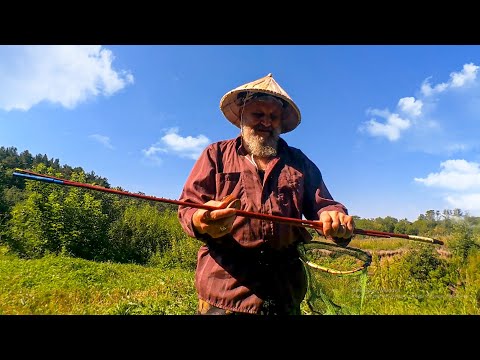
(292, 187)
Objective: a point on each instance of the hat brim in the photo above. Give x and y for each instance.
(231, 109)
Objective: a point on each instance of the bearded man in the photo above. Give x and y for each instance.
(246, 265)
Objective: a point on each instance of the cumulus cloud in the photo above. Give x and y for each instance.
(427, 89)
(410, 106)
(468, 202)
(457, 79)
(461, 180)
(416, 114)
(104, 140)
(61, 74)
(390, 129)
(185, 147)
(454, 175)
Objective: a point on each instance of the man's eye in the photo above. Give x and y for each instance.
(256, 114)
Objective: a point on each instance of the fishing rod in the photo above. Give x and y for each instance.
(30, 175)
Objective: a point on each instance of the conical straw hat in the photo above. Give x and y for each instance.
(231, 107)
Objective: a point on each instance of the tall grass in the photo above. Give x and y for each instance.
(417, 280)
(64, 285)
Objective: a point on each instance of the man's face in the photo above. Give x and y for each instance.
(262, 119)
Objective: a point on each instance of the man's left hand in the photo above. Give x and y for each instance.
(336, 224)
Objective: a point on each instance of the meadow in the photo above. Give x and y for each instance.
(417, 280)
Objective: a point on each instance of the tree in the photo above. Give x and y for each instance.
(55, 219)
(430, 215)
(458, 213)
(403, 227)
(387, 224)
(141, 232)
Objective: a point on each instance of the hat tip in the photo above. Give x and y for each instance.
(269, 75)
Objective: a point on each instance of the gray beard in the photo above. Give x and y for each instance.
(259, 146)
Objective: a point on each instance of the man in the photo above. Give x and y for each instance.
(246, 265)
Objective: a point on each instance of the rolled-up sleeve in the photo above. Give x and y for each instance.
(199, 188)
(317, 197)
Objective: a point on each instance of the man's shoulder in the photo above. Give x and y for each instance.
(296, 152)
(224, 144)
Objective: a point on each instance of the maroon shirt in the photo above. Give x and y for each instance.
(228, 275)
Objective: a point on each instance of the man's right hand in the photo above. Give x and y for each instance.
(216, 223)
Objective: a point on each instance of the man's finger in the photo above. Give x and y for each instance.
(235, 204)
(206, 216)
(327, 228)
(221, 214)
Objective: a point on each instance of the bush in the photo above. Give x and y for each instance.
(463, 242)
(144, 234)
(423, 263)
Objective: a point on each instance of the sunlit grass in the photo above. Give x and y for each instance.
(374, 243)
(63, 285)
(414, 281)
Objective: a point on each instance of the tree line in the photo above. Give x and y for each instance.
(37, 218)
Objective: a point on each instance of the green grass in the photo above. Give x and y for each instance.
(373, 243)
(414, 282)
(63, 285)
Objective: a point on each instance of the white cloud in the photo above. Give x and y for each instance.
(469, 202)
(455, 175)
(461, 180)
(186, 147)
(391, 129)
(427, 90)
(104, 140)
(466, 76)
(63, 74)
(457, 79)
(153, 150)
(410, 106)
(433, 120)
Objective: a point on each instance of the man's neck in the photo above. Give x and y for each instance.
(261, 161)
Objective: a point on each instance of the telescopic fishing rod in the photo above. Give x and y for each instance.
(30, 175)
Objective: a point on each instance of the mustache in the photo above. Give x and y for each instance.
(263, 128)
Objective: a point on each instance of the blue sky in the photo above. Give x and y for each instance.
(394, 129)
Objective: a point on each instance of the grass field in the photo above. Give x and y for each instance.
(413, 282)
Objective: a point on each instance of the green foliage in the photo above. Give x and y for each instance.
(463, 242)
(26, 228)
(38, 220)
(145, 234)
(420, 281)
(424, 264)
(369, 224)
(63, 285)
(402, 227)
(95, 226)
(55, 219)
(183, 249)
(387, 224)
(137, 234)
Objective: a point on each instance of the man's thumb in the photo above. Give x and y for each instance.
(230, 201)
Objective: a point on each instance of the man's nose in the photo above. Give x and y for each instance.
(267, 120)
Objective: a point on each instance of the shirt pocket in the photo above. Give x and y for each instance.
(228, 184)
(290, 192)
